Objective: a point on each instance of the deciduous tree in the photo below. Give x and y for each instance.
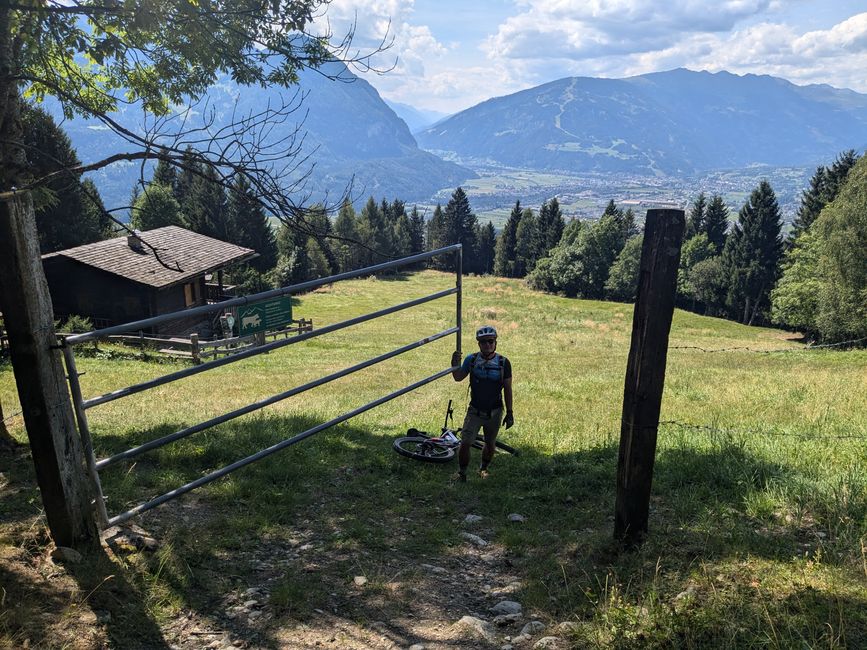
(155, 207)
(94, 57)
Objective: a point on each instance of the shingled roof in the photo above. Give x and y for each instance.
(183, 255)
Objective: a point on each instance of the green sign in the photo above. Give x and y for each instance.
(266, 315)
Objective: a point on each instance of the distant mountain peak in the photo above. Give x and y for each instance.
(673, 122)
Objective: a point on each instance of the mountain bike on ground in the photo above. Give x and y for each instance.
(422, 446)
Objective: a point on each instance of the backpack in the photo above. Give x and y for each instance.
(501, 360)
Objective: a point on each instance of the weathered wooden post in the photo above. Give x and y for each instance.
(54, 442)
(194, 348)
(645, 372)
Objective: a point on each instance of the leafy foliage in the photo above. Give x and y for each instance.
(156, 207)
(795, 299)
(842, 229)
(622, 282)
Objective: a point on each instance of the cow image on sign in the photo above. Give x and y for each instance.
(265, 315)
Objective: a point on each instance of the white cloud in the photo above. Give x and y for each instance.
(555, 38)
(378, 22)
(543, 40)
(586, 30)
(837, 56)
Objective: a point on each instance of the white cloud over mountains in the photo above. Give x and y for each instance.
(442, 67)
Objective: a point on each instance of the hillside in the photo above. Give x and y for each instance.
(350, 135)
(758, 512)
(668, 123)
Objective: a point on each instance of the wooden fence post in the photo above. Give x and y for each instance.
(645, 372)
(55, 445)
(194, 348)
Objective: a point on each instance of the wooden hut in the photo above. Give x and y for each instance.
(147, 274)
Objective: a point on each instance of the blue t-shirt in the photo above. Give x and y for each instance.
(486, 385)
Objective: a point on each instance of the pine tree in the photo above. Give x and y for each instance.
(317, 225)
(504, 255)
(697, 216)
(838, 173)
(526, 244)
(487, 238)
(402, 236)
(68, 214)
(716, 223)
(752, 255)
(461, 225)
(375, 233)
(436, 237)
(551, 226)
(347, 247)
(251, 224)
(812, 202)
(165, 174)
(185, 180)
(824, 187)
(94, 210)
(293, 261)
(207, 210)
(557, 224)
(625, 221)
(416, 231)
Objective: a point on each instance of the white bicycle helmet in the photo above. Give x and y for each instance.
(485, 331)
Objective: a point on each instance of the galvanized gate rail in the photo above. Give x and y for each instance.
(81, 405)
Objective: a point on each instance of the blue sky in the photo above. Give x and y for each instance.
(448, 55)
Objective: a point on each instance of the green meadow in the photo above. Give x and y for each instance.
(758, 522)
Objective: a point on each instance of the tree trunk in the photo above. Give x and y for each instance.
(42, 390)
(756, 304)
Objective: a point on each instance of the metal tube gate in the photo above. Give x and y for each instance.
(81, 404)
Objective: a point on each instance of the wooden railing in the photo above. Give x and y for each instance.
(197, 350)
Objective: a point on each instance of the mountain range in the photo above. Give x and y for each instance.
(349, 133)
(677, 122)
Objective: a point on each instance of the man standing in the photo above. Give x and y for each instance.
(490, 383)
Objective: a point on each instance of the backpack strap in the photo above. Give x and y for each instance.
(501, 362)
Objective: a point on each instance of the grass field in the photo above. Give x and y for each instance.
(758, 525)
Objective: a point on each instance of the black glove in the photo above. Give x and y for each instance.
(456, 358)
(509, 420)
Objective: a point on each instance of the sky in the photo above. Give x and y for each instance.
(448, 55)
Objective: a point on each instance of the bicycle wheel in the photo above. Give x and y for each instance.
(423, 449)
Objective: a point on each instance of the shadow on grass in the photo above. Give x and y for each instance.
(38, 605)
(288, 534)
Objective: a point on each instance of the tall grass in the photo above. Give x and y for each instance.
(759, 507)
